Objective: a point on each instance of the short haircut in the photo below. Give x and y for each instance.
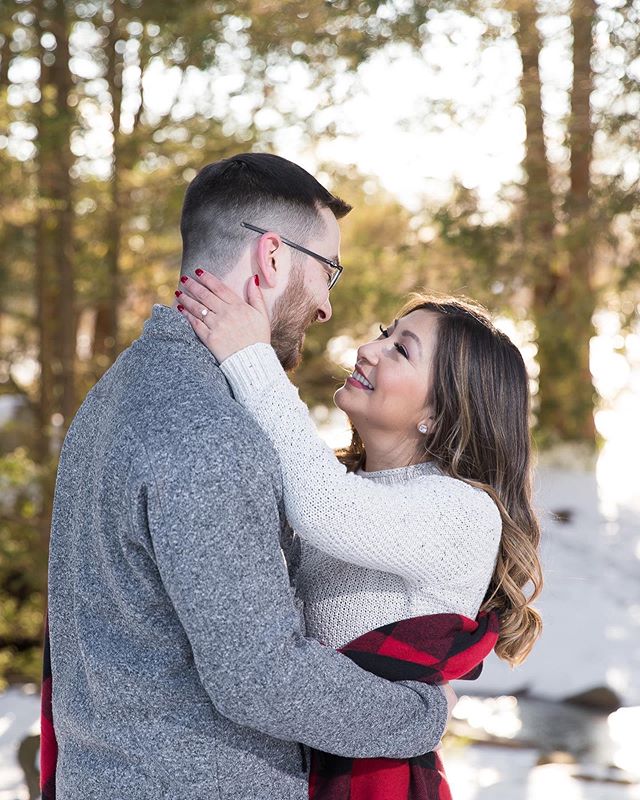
(263, 189)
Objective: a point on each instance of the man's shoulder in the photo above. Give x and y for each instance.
(186, 399)
(209, 432)
(173, 412)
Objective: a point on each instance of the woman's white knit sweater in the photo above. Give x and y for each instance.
(377, 547)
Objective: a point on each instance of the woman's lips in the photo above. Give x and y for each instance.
(353, 382)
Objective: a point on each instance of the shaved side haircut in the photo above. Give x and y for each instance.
(259, 188)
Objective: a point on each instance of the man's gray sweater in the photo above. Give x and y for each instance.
(180, 668)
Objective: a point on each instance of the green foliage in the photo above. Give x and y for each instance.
(483, 259)
(23, 563)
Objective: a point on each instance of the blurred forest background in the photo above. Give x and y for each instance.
(109, 107)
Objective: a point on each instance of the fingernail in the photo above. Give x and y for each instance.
(177, 292)
(184, 279)
(256, 280)
(199, 272)
(180, 309)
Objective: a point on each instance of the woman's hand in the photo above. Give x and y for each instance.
(229, 324)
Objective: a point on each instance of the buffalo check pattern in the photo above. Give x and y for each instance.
(432, 649)
(48, 743)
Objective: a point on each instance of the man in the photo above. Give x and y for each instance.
(180, 669)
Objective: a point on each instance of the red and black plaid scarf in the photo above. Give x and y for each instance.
(48, 743)
(432, 649)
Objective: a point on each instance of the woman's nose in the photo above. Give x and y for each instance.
(368, 352)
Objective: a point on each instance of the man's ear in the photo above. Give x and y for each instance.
(268, 255)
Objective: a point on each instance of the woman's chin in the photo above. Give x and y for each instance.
(343, 399)
(338, 395)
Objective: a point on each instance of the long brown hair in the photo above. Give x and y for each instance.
(480, 434)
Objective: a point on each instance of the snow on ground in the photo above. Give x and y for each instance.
(19, 716)
(501, 773)
(590, 603)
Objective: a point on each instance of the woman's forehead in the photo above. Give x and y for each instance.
(420, 321)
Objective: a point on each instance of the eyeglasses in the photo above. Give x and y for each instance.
(334, 267)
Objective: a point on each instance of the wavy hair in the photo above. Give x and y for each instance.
(480, 434)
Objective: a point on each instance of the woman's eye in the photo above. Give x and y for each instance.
(402, 350)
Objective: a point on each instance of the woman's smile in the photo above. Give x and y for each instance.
(359, 380)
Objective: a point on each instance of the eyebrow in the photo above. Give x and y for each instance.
(410, 334)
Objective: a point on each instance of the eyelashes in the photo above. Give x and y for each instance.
(402, 350)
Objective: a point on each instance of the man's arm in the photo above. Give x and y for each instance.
(215, 527)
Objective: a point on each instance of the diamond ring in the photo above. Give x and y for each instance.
(204, 312)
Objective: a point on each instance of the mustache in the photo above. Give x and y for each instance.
(311, 317)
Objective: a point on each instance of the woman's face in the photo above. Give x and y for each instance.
(397, 371)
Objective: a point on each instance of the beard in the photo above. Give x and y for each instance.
(293, 312)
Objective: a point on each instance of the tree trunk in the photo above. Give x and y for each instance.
(54, 253)
(560, 269)
(538, 218)
(106, 339)
(6, 31)
(565, 307)
(54, 246)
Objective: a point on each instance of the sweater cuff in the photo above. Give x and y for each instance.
(437, 701)
(252, 370)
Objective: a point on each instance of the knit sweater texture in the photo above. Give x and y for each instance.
(180, 668)
(378, 547)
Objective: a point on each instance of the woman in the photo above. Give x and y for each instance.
(429, 510)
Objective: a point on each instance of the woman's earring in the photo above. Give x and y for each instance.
(422, 427)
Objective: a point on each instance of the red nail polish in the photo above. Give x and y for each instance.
(199, 272)
(181, 309)
(177, 292)
(256, 280)
(184, 279)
